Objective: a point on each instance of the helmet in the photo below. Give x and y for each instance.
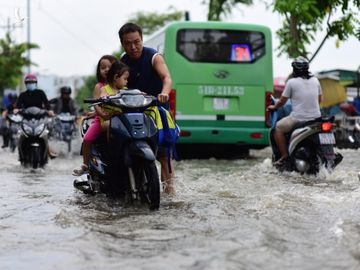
(300, 64)
(30, 78)
(65, 90)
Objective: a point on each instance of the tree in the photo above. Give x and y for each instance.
(152, 21)
(86, 91)
(12, 61)
(219, 7)
(303, 19)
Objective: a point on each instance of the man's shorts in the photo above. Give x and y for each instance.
(286, 124)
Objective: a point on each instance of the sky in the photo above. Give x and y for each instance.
(74, 34)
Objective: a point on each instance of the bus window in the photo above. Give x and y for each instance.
(220, 46)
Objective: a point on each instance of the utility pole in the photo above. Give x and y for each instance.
(28, 35)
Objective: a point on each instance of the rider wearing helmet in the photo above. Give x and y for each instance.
(64, 103)
(305, 93)
(33, 97)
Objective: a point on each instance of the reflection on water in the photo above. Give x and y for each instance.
(238, 214)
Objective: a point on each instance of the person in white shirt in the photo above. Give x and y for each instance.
(305, 93)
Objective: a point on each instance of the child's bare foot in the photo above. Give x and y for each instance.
(78, 172)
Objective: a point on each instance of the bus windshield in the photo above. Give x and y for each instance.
(220, 46)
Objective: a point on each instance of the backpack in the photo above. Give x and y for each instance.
(168, 130)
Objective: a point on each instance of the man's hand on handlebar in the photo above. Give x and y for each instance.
(163, 97)
(271, 108)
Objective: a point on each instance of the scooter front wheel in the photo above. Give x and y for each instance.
(150, 186)
(35, 158)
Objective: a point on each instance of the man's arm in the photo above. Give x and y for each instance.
(320, 98)
(278, 104)
(164, 74)
(45, 101)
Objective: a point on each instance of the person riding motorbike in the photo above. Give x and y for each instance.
(64, 103)
(150, 74)
(9, 106)
(305, 93)
(34, 97)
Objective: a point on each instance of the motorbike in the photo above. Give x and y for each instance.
(347, 132)
(310, 144)
(125, 164)
(64, 128)
(14, 121)
(33, 140)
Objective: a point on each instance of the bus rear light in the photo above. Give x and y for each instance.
(256, 135)
(184, 133)
(172, 103)
(267, 113)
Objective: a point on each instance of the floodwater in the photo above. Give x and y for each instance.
(237, 214)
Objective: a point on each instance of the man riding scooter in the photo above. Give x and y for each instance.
(305, 93)
(34, 97)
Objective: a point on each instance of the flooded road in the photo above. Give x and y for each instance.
(238, 214)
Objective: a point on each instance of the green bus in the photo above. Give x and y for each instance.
(222, 79)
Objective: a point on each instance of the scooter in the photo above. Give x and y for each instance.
(310, 145)
(125, 165)
(64, 128)
(33, 141)
(347, 132)
(14, 121)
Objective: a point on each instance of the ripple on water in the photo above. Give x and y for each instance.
(233, 214)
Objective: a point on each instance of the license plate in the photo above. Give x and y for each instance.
(327, 138)
(220, 103)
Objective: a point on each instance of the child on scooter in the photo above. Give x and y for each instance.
(117, 79)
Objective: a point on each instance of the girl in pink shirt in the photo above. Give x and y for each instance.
(95, 128)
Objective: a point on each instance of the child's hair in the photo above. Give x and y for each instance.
(111, 58)
(117, 68)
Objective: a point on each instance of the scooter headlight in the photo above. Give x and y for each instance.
(39, 129)
(27, 129)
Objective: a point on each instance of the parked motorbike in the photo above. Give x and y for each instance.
(347, 131)
(14, 121)
(125, 165)
(64, 128)
(310, 145)
(33, 141)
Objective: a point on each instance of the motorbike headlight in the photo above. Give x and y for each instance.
(39, 129)
(134, 101)
(27, 129)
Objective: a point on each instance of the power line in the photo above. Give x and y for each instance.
(78, 19)
(68, 31)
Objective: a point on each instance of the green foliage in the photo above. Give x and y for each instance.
(303, 19)
(152, 21)
(86, 91)
(12, 61)
(222, 7)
